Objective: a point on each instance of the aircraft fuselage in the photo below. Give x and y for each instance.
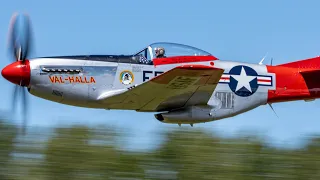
(75, 82)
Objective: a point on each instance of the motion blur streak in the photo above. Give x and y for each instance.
(96, 153)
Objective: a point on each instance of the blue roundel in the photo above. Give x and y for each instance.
(243, 80)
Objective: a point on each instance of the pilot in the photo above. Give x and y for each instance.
(160, 52)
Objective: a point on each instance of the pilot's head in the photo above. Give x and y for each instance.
(159, 52)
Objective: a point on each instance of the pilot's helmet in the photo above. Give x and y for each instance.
(159, 51)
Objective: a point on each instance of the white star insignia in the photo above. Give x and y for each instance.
(243, 80)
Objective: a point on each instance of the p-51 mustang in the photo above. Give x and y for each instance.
(180, 83)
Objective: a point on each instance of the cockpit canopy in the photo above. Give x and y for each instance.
(178, 53)
(171, 49)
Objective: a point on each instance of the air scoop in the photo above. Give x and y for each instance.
(17, 73)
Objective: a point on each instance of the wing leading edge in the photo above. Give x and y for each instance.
(176, 88)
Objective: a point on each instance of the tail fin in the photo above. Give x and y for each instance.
(309, 69)
(304, 65)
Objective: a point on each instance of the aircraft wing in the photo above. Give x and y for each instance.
(176, 88)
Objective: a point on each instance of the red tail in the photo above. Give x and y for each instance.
(296, 80)
(304, 65)
(309, 69)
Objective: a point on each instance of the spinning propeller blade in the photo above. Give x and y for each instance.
(19, 47)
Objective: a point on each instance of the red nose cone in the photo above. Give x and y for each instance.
(18, 73)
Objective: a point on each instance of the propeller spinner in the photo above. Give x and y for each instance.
(19, 71)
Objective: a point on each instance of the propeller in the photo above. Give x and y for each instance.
(19, 46)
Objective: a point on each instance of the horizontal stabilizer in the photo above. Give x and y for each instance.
(310, 72)
(311, 77)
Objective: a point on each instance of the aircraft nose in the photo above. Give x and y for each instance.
(17, 73)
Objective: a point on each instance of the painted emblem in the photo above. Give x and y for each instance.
(244, 80)
(126, 77)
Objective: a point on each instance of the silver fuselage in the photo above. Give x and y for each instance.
(83, 83)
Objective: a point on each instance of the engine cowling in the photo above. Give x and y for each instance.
(190, 115)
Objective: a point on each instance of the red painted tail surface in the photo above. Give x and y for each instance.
(304, 65)
(296, 80)
(309, 69)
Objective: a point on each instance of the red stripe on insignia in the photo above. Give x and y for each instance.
(264, 80)
(224, 78)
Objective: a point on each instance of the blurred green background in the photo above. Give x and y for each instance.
(80, 152)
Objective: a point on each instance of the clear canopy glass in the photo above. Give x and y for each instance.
(171, 49)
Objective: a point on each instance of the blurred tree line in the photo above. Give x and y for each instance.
(92, 153)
